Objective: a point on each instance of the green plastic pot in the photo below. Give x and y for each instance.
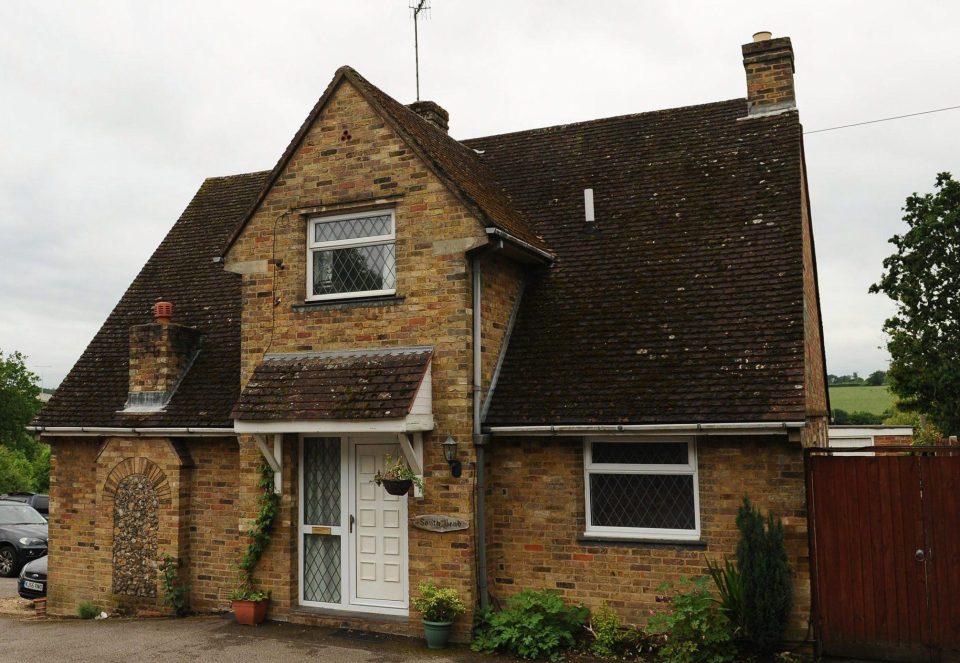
(437, 633)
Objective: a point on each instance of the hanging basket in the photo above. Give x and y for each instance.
(396, 486)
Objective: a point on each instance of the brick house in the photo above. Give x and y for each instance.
(614, 324)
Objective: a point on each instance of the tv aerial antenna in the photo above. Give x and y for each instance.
(419, 7)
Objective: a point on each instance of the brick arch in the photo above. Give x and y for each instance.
(138, 466)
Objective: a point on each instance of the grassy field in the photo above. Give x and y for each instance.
(861, 399)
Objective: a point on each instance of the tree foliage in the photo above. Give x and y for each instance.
(765, 576)
(923, 278)
(24, 461)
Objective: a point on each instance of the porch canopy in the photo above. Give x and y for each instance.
(352, 391)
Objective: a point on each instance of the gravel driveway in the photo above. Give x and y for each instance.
(8, 587)
(208, 639)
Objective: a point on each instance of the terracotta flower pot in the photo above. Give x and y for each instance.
(397, 486)
(250, 613)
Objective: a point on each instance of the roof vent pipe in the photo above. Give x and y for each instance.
(590, 225)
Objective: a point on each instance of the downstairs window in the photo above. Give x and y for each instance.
(641, 488)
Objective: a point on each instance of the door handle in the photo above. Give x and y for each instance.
(919, 555)
(351, 526)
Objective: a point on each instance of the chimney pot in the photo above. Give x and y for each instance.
(433, 113)
(769, 67)
(163, 312)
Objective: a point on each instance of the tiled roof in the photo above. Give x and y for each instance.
(362, 385)
(182, 271)
(687, 305)
(457, 166)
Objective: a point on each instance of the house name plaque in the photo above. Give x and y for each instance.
(439, 523)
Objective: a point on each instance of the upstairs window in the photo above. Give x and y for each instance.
(351, 255)
(642, 489)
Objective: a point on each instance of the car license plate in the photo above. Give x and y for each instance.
(36, 586)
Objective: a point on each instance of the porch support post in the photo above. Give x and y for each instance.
(414, 455)
(274, 458)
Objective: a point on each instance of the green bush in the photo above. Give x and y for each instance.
(729, 583)
(87, 610)
(766, 576)
(694, 630)
(533, 625)
(438, 604)
(605, 626)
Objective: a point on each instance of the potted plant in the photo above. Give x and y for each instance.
(249, 604)
(396, 477)
(439, 606)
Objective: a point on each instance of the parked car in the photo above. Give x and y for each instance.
(33, 579)
(39, 502)
(23, 536)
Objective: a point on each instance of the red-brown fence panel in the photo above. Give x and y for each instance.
(867, 523)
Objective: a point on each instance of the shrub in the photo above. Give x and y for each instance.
(87, 610)
(438, 604)
(174, 591)
(766, 576)
(605, 627)
(729, 583)
(694, 630)
(534, 625)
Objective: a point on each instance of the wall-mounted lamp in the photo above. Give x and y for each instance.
(450, 453)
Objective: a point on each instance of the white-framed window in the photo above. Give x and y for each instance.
(351, 255)
(640, 488)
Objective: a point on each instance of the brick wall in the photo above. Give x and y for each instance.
(159, 354)
(815, 380)
(196, 483)
(769, 68)
(536, 519)
(73, 520)
(501, 280)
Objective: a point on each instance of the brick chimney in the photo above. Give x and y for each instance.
(433, 113)
(769, 66)
(161, 353)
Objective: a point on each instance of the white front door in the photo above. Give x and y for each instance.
(380, 533)
(353, 535)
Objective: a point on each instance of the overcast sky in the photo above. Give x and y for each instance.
(112, 113)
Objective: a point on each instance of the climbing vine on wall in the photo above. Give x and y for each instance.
(260, 533)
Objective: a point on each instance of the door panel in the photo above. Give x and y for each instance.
(380, 535)
(321, 528)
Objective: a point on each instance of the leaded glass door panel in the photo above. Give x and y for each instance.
(322, 520)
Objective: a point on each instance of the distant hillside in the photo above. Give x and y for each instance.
(875, 400)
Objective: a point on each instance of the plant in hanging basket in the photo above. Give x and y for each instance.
(396, 477)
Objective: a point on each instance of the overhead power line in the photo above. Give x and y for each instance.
(883, 119)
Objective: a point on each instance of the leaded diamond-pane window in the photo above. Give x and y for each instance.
(642, 488)
(351, 256)
(321, 481)
(649, 501)
(321, 568)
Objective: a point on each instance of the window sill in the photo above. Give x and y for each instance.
(639, 542)
(360, 302)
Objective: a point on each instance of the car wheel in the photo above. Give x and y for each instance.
(8, 562)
